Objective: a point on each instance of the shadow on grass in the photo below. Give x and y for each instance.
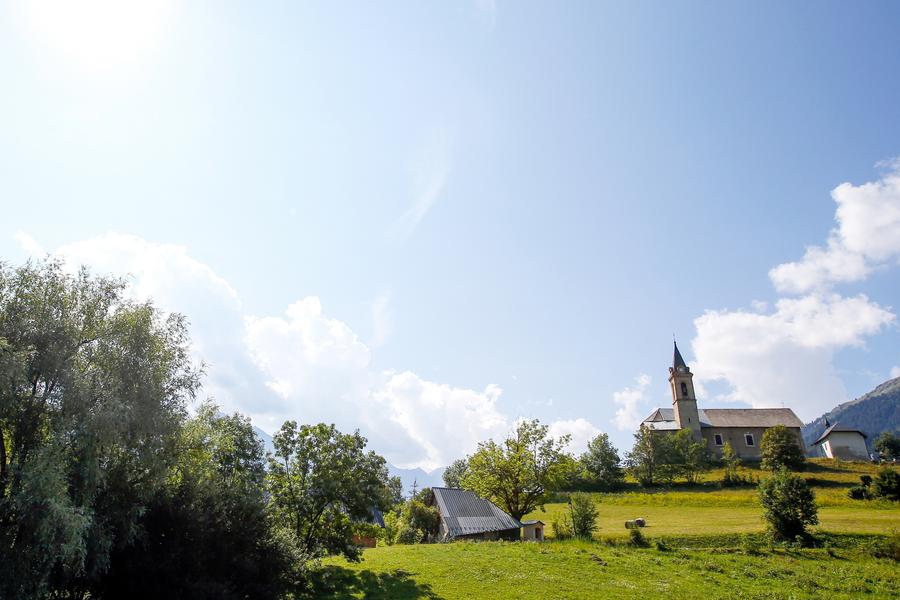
(338, 582)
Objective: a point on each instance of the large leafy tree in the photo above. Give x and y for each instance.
(92, 392)
(206, 534)
(650, 459)
(453, 474)
(688, 456)
(320, 482)
(888, 445)
(601, 463)
(780, 448)
(521, 472)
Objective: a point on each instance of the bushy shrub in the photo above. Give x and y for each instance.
(415, 523)
(863, 491)
(887, 484)
(583, 515)
(636, 537)
(888, 547)
(789, 505)
(562, 529)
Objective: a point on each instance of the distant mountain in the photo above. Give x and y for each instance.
(420, 476)
(266, 439)
(872, 413)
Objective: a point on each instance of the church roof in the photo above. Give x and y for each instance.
(663, 419)
(837, 427)
(677, 360)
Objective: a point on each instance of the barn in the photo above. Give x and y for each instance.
(466, 516)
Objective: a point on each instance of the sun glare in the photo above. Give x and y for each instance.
(97, 35)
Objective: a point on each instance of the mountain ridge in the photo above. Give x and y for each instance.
(872, 413)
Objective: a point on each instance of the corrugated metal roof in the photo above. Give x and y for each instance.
(837, 427)
(664, 418)
(464, 513)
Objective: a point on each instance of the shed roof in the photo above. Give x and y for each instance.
(464, 513)
(837, 427)
(531, 522)
(664, 418)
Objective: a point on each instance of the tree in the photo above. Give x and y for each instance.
(206, 535)
(583, 515)
(320, 481)
(417, 522)
(520, 473)
(392, 495)
(601, 463)
(888, 445)
(887, 484)
(687, 456)
(648, 460)
(788, 503)
(92, 394)
(732, 463)
(454, 474)
(779, 448)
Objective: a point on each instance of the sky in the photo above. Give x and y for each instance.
(428, 220)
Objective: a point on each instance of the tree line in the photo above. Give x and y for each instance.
(111, 488)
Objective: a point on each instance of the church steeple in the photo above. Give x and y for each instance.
(683, 399)
(677, 360)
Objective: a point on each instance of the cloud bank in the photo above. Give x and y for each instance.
(784, 356)
(302, 364)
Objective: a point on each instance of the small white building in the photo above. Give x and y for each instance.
(533, 531)
(843, 442)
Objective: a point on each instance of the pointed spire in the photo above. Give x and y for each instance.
(677, 360)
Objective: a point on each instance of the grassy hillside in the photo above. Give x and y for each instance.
(706, 508)
(713, 546)
(592, 570)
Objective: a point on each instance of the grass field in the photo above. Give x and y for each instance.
(575, 569)
(707, 508)
(715, 541)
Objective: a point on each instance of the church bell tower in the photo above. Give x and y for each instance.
(683, 399)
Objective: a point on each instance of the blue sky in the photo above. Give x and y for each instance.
(476, 210)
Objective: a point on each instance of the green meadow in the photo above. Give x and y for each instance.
(712, 543)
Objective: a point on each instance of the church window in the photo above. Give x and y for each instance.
(718, 438)
(684, 389)
(748, 438)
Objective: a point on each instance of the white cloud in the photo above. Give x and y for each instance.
(382, 323)
(302, 365)
(867, 236)
(29, 245)
(630, 400)
(895, 372)
(581, 430)
(784, 358)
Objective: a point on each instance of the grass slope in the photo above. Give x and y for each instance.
(707, 509)
(592, 570)
(708, 528)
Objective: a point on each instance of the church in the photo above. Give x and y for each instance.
(742, 427)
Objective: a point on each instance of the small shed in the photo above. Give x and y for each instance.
(464, 515)
(847, 443)
(376, 518)
(533, 531)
